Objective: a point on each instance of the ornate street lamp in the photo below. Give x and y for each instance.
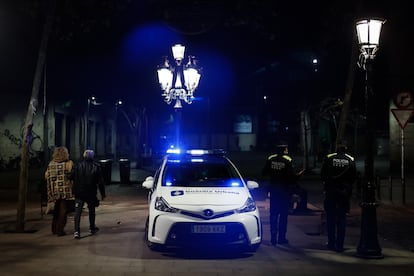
(178, 82)
(368, 31)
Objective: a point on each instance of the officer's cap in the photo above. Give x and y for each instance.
(342, 146)
(280, 148)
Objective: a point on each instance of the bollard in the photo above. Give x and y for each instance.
(124, 170)
(106, 167)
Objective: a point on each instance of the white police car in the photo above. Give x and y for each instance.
(198, 198)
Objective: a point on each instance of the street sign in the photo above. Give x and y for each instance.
(402, 116)
(403, 99)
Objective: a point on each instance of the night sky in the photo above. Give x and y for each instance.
(247, 49)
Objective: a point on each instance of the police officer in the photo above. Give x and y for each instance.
(338, 174)
(279, 169)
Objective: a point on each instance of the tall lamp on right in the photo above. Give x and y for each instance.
(368, 31)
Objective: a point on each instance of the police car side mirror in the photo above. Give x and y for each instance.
(148, 183)
(252, 184)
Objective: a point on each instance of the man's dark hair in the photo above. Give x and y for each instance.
(88, 154)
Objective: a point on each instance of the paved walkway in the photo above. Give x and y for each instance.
(119, 249)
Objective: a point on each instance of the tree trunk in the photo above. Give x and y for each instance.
(31, 111)
(348, 92)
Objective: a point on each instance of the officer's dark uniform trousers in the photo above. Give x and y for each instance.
(335, 221)
(279, 210)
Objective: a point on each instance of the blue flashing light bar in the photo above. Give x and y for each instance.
(195, 152)
(197, 160)
(174, 151)
(235, 184)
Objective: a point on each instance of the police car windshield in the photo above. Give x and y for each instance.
(200, 174)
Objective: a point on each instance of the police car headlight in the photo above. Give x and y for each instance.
(249, 206)
(162, 205)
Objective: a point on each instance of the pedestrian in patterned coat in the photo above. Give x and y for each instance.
(59, 187)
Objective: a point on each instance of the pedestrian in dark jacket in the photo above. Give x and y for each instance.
(283, 179)
(87, 176)
(338, 174)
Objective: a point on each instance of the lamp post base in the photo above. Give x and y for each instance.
(368, 246)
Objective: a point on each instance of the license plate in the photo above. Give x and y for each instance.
(206, 229)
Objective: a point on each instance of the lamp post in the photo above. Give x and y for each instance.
(178, 82)
(118, 104)
(91, 100)
(368, 31)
